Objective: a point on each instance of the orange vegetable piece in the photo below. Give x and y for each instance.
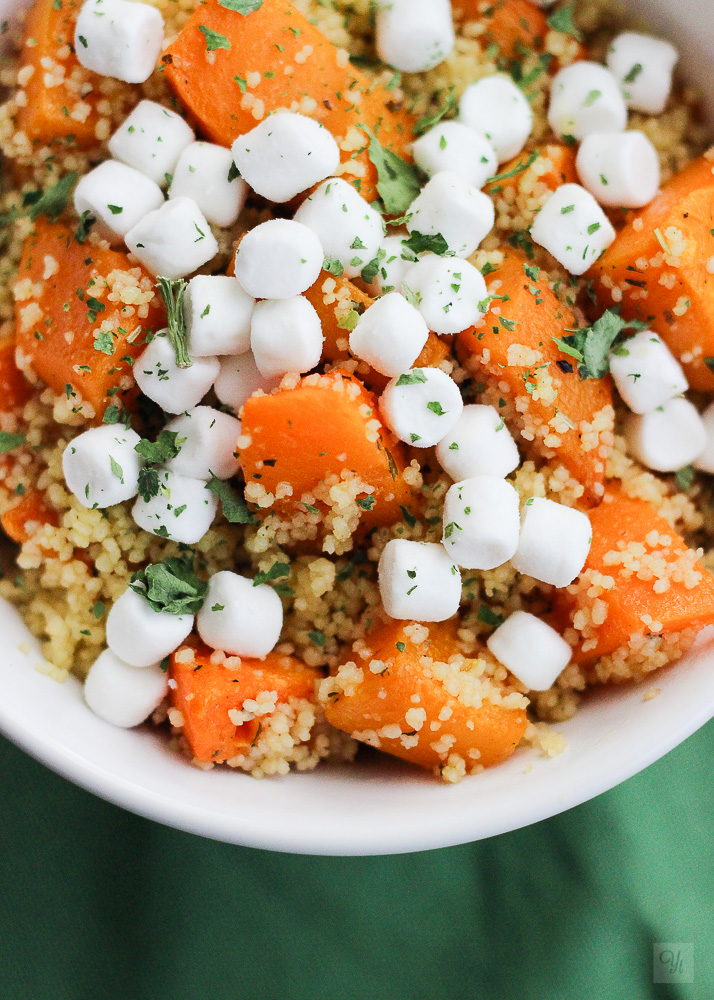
(686, 603)
(671, 289)
(513, 25)
(206, 692)
(555, 413)
(226, 101)
(15, 390)
(324, 426)
(32, 509)
(59, 318)
(47, 113)
(416, 700)
(561, 169)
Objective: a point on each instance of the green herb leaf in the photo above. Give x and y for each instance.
(276, 572)
(684, 478)
(171, 585)
(172, 292)
(366, 503)
(398, 182)
(370, 269)
(333, 266)
(709, 362)
(433, 118)
(235, 509)
(86, 221)
(148, 484)
(562, 20)
(167, 446)
(489, 617)
(591, 345)
(518, 169)
(319, 638)
(349, 321)
(408, 516)
(412, 377)
(425, 243)
(111, 415)
(213, 39)
(116, 469)
(8, 442)
(52, 201)
(436, 408)
(243, 7)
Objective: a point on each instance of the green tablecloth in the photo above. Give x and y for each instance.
(96, 904)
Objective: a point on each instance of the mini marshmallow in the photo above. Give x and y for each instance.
(533, 651)
(573, 228)
(119, 38)
(121, 694)
(414, 35)
(421, 406)
(205, 173)
(118, 197)
(452, 207)
(447, 292)
(497, 109)
(585, 97)
(394, 262)
(151, 139)
(285, 154)
(239, 617)
(554, 542)
(101, 466)
(218, 313)
(160, 378)
(479, 444)
(285, 336)
(389, 335)
(620, 168)
(140, 636)
(238, 378)
(481, 522)
(184, 509)
(418, 580)
(457, 149)
(643, 67)
(349, 229)
(705, 460)
(209, 442)
(278, 259)
(646, 372)
(668, 438)
(174, 240)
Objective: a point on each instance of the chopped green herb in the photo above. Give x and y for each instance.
(433, 118)
(235, 509)
(243, 7)
(412, 377)
(401, 646)
(436, 407)
(104, 342)
(276, 572)
(173, 292)
(489, 617)
(213, 39)
(424, 243)
(366, 503)
(52, 201)
(562, 20)
(398, 182)
(167, 446)
(170, 585)
(8, 442)
(86, 221)
(116, 469)
(591, 346)
(518, 169)
(333, 266)
(408, 516)
(319, 638)
(684, 478)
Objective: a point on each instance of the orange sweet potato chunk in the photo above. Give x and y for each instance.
(277, 59)
(19, 522)
(15, 390)
(560, 169)
(56, 110)
(513, 25)
(657, 579)
(325, 426)
(206, 692)
(657, 269)
(425, 724)
(63, 308)
(511, 350)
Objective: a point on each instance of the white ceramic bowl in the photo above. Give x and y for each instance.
(391, 807)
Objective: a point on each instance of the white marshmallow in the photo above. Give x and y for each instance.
(238, 617)
(620, 168)
(421, 406)
(119, 38)
(101, 466)
(530, 649)
(705, 460)
(118, 197)
(643, 66)
(668, 438)
(497, 109)
(448, 292)
(238, 378)
(646, 372)
(184, 509)
(151, 139)
(218, 313)
(278, 259)
(585, 97)
(573, 228)
(457, 210)
(174, 389)
(418, 580)
(121, 694)
(393, 265)
(349, 229)
(202, 174)
(285, 336)
(285, 154)
(458, 149)
(209, 444)
(479, 444)
(554, 542)
(389, 335)
(481, 522)
(174, 240)
(414, 35)
(140, 636)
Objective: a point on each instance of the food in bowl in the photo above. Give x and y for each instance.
(352, 403)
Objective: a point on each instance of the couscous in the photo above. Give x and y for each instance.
(356, 360)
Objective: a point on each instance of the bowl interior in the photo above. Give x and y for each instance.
(368, 809)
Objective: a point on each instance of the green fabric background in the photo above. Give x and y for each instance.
(96, 904)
